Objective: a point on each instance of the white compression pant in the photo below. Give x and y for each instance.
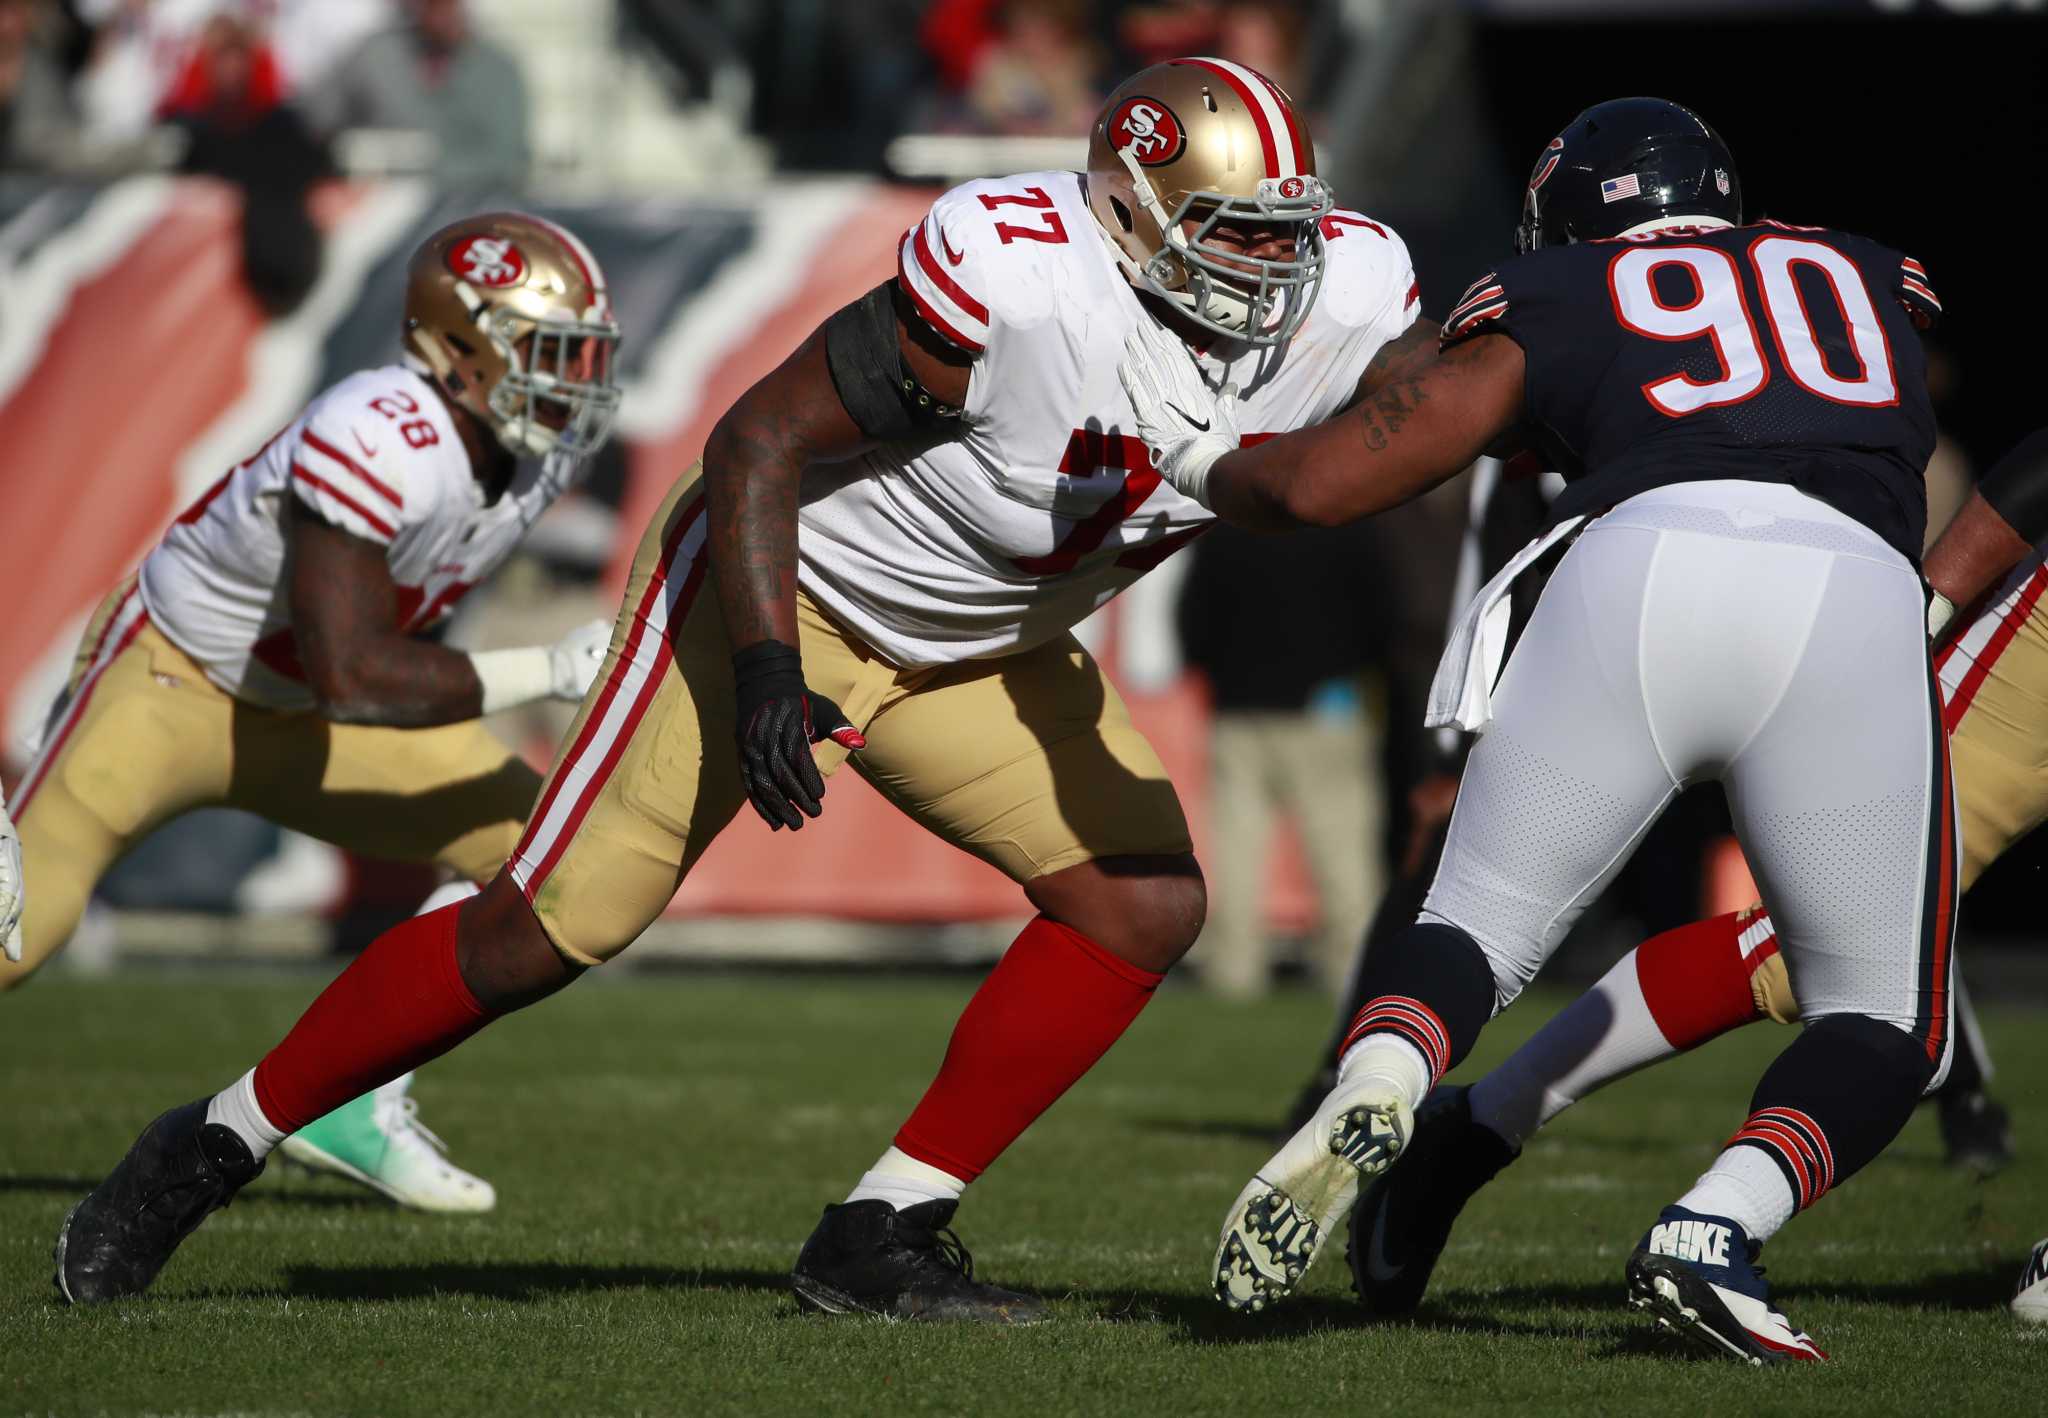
(1746, 633)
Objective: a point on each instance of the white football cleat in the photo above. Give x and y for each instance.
(378, 1141)
(2030, 1299)
(1294, 1203)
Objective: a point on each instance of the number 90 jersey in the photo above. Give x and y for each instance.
(1770, 353)
(1045, 505)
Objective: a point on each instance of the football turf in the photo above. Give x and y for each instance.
(662, 1144)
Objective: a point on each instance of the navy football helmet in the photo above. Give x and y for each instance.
(1623, 163)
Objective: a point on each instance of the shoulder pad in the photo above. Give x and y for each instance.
(1368, 277)
(983, 255)
(352, 460)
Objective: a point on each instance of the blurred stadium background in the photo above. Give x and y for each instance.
(205, 206)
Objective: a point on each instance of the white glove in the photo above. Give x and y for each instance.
(563, 670)
(575, 659)
(1185, 423)
(1940, 610)
(10, 887)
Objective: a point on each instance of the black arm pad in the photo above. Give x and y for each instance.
(2017, 486)
(883, 397)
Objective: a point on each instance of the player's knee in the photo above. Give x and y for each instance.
(505, 957)
(1511, 968)
(1894, 1054)
(1147, 910)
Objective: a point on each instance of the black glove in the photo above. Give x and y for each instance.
(778, 722)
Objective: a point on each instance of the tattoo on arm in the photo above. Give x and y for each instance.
(1403, 357)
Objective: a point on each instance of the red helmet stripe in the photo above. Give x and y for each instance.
(1231, 74)
(1303, 160)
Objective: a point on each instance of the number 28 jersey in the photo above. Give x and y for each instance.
(377, 456)
(1046, 504)
(1769, 353)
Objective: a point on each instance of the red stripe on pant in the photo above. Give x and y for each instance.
(75, 710)
(623, 671)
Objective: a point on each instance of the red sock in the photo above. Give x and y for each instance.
(1695, 979)
(400, 1004)
(1052, 1006)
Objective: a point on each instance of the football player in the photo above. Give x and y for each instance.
(268, 654)
(10, 886)
(1742, 417)
(1694, 983)
(880, 563)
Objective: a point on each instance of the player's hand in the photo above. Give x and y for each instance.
(10, 888)
(778, 721)
(1186, 424)
(575, 659)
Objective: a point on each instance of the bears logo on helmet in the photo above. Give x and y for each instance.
(1148, 129)
(493, 262)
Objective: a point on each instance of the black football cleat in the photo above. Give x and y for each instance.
(1405, 1215)
(1697, 1277)
(868, 1258)
(179, 1171)
(1977, 1131)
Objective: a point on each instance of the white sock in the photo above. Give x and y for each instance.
(448, 893)
(1745, 1186)
(234, 1107)
(1604, 1034)
(903, 1181)
(1385, 1059)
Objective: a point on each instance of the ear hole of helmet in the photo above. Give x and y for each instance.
(1123, 214)
(1209, 100)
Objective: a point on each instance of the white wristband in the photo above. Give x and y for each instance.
(1940, 609)
(513, 677)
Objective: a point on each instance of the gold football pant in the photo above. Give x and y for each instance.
(1029, 761)
(142, 735)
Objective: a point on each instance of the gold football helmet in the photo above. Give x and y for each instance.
(1186, 145)
(508, 314)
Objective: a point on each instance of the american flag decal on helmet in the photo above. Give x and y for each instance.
(1616, 188)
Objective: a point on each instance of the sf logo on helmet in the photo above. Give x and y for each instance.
(1148, 130)
(489, 261)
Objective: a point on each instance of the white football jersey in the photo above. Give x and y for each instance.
(1048, 505)
(378, 456)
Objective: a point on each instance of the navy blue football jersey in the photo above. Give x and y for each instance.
(1768, 352)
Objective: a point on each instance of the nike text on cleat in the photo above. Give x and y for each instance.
(181, 1170)
(866, 1257)
(1697, 1276)
(1279, 1222)
(2030, 1297)
(1404, 1216)
(378, 1140)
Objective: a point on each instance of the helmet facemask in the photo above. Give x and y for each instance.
(556, 394)
(1260, 301)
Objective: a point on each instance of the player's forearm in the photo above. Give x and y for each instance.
(399, 683)
(750, 496)
(1976, 551)
(1354, 465)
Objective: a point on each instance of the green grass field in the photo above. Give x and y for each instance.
(662, 1144)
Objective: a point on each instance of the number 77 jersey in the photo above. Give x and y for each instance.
(1769, 353)
(1046, 503)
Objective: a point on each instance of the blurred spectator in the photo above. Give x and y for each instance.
(1017, 66)
(35, 114)
(1283, 628)
(433, 74)
(227, 101)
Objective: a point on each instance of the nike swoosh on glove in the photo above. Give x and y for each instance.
(778, 720)
(1186, 424)
(10, 887)
(575, 659)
